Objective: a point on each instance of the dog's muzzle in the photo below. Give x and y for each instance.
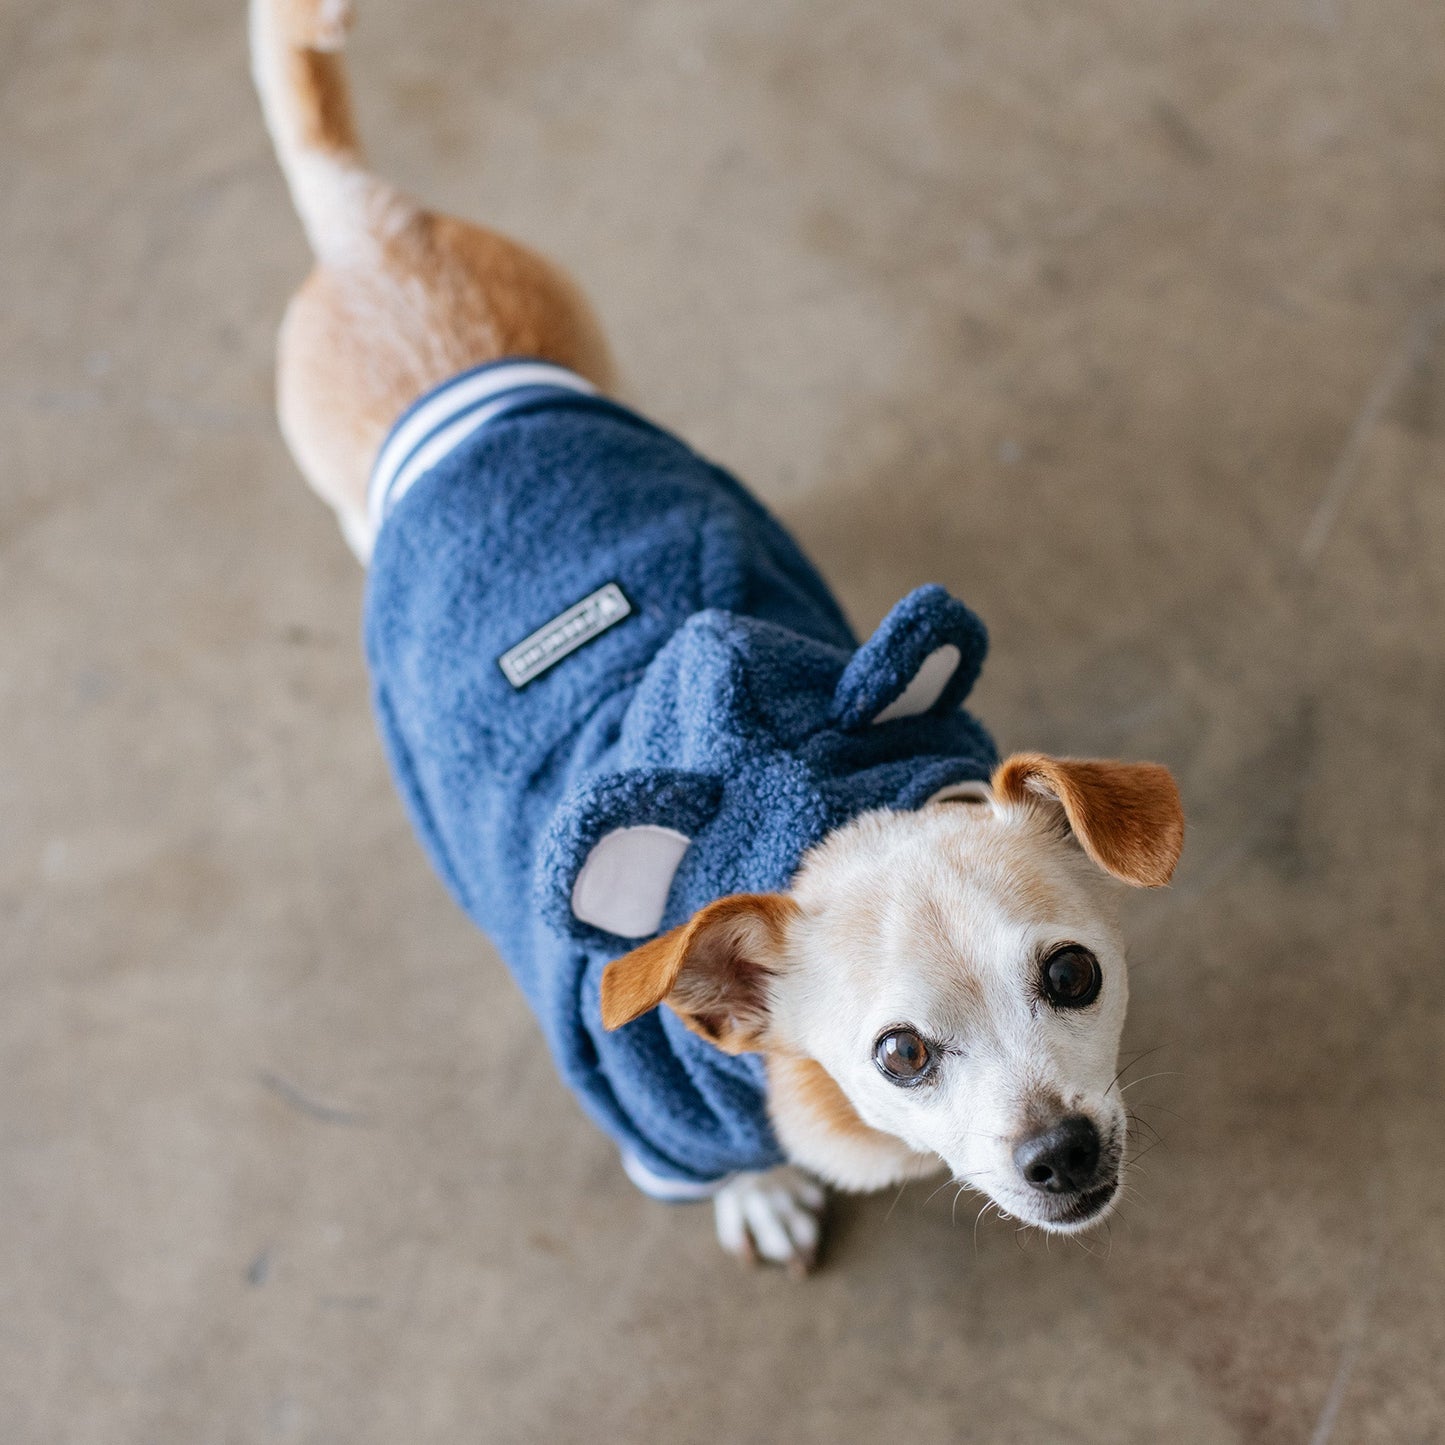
(1069, 1171)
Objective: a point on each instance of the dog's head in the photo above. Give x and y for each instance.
(948, 984)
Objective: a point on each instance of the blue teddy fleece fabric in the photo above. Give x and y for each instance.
(731, 703)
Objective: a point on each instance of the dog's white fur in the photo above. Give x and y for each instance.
(937, 919)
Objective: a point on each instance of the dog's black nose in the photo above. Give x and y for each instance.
(1061, 1159)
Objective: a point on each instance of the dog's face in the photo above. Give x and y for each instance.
(957, 973)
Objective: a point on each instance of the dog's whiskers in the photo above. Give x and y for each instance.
(1145, 1150)
(1137, 1059)
(896, 1198)
(1162, 1074)
(983, 1209)
(1137, 1124)
(1158, 1109)
(939, 1190)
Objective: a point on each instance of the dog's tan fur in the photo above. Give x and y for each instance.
(940, 914)
(1126, 816)
(401, 298)
(722, 992)
(815, 1119)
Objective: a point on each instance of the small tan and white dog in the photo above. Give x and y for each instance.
(941, 989)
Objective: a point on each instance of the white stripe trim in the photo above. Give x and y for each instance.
(412, 449)
(669, 1191)
(426, 456)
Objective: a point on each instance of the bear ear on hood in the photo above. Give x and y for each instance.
(612, 850)
(924, 658)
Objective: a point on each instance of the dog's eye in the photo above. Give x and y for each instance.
(1071, 977)
(903, 1057)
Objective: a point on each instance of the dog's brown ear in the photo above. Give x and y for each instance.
(1126, 816)
(713, 971)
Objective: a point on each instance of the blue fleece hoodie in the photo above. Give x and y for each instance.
(576, 626)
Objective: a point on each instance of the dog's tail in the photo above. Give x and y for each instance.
(297, 66)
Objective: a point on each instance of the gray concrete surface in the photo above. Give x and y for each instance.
(1125, 321)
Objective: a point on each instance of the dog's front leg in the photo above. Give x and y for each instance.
(776, 1215)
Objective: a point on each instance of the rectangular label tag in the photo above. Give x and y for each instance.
(564, 634)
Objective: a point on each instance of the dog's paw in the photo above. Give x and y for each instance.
(775, 1216)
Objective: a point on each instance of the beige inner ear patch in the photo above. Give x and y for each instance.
(971, 792)
(622, 888)
(926, 685)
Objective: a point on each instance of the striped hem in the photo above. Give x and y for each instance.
(445, 417)
(668, 1191)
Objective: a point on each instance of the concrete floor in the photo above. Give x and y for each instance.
(1125, 321)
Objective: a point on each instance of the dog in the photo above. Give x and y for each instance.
(785, 917)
